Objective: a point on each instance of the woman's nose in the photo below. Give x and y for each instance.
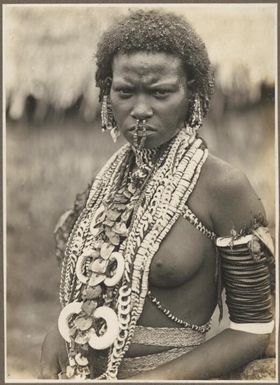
(141, 109)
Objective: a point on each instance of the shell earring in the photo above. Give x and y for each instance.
(107, 118)
(195, 119)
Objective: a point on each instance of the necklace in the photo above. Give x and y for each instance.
(134, 202)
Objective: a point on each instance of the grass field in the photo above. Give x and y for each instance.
(46, 167)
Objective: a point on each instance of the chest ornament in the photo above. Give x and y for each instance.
(133, 203)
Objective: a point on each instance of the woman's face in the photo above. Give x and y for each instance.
(150, 86)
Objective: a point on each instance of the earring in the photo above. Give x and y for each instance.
(107, 118)
(195, 119)
(115, 133)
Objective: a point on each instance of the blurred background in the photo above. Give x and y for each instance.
(54, 145)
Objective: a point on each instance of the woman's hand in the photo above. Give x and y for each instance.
(54, 357)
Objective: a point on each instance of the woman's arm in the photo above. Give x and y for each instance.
(216, 357)
(54, 357)
(234, 206)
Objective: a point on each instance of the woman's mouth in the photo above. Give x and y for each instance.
(144, 133)
(139, 133)
(148, 130)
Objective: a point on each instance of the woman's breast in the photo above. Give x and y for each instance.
(182, 278)
(180, 256)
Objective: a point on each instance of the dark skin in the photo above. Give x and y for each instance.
(154, 86)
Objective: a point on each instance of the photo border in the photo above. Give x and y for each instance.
(3, 191)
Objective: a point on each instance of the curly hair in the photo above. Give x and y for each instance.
(157, 31)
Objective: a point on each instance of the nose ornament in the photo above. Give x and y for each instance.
(139, 134)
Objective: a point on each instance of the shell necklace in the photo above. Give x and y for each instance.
(133, 203)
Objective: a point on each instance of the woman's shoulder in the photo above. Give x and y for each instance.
(222, 176)
(234, 202)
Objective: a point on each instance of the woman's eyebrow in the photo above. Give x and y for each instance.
(169, 83)
(122, 82)
(151, 83)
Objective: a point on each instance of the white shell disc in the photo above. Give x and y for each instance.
(112, 281)
(66, 312)
(88, 253)
(95, 220)
(96, 279)
(107, 339)
(79, 267)
(106, 250)
(95, 231)
(99, 266)
(82, 361)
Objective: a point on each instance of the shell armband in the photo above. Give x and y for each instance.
(247, 267)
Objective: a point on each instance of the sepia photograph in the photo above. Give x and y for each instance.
(140, 192)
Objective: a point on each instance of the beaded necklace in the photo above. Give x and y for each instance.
(133, 203)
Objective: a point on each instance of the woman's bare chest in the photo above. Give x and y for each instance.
(181, 255)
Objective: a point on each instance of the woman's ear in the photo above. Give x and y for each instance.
(108, 85)
(190, 97)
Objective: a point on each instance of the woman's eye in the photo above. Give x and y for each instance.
(161, 93)
(125, 92)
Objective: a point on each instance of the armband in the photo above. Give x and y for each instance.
(246, 266)
(257, 328)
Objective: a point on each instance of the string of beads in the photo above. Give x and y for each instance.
(192, 218)
(202, 329)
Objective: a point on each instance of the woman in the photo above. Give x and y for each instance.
(165, 225)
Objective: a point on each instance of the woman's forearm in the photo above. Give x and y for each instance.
(220, 355)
